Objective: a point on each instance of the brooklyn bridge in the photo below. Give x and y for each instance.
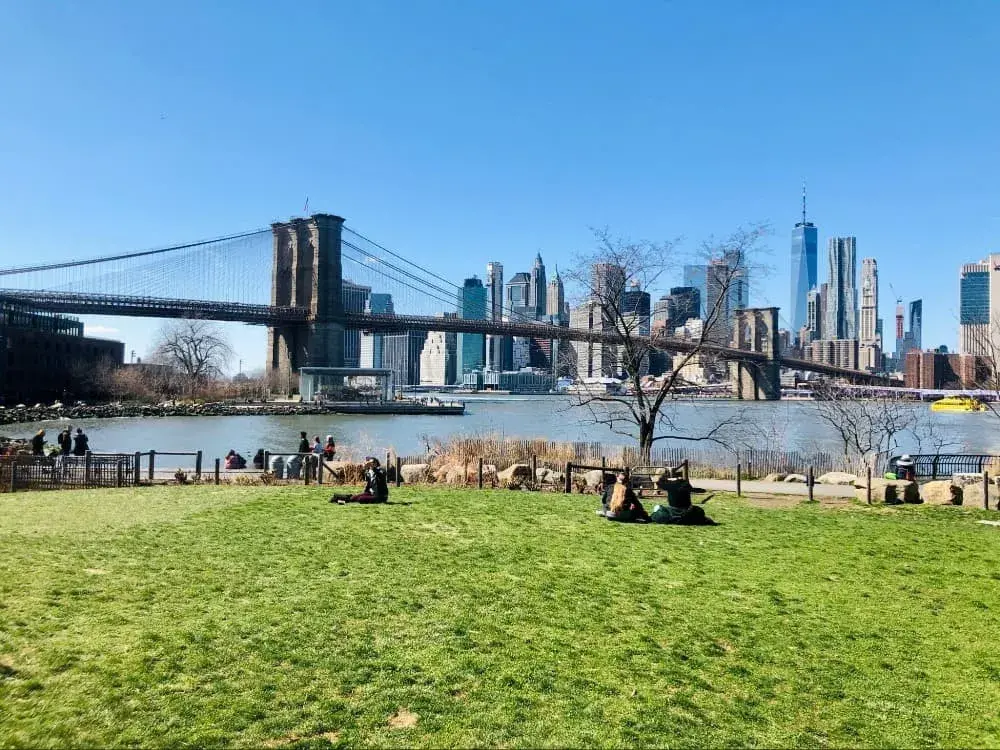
(307, 262)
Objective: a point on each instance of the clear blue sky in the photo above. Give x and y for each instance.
(461, 132)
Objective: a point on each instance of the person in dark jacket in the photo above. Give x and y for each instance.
(304, 446)
(66, 441)
(376, 487)
(81, 444)
(38, 444)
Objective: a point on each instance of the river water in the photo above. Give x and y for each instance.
(783, 425)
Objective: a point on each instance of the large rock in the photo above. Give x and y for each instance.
(889, 491)
(800, 478)
(963, 480)
(775, 477)
(594, 477)
(413, 473)
(942, 492)
(837, 477)
(972, 495)
(514, 477)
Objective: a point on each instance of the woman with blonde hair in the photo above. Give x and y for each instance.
(624, 505)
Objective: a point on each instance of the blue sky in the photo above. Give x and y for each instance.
(460, 132)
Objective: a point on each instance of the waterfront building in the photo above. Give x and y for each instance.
(46, 357)
(974, 308)
(842, 300)
(805, 245)
(438, 358)
(870, 358)
(355, 300)
(939, 370)
(520, 381)
(402, 355)
(471, 346)
(521, 352)
(837, 352)
(593, 359)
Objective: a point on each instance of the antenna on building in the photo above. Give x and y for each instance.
(803, 202)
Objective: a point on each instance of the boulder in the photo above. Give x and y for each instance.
(441, 472)
(775, 477)
(593, 478)
(889, 491)
(557, 478)
(972, 495)
(837, 477)
(800, 478)
(542, 475)
(515, 476)
(942, 492)
(963, 480)
(413, 473)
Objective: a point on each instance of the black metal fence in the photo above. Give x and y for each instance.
(22, 472)
(934, 465)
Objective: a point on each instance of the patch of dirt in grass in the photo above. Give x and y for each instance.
(288, 739)
(403, 719)
(791, 501)
(95, 571)
(7, 669)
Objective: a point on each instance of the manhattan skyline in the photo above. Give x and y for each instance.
(461, 134)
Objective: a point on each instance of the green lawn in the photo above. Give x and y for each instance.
(255, 616)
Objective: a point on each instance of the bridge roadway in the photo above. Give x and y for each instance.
(160, 307)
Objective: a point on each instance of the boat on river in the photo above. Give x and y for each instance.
(958, 404)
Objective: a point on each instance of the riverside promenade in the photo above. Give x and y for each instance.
(754, 487)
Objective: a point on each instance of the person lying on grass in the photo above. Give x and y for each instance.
(376, 488)
(623, 504)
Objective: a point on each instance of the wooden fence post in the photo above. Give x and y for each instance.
(86, 469)
(739, 479)
(604, 466)
(217, 462)
(152, 464)
(569, 477)
(534, 470)
(986, 490)
(137, 468)
(267, 460)
(319, 470)
(480, 472)
(399, 471)
(307, 469)
(809, 483)
(197, 466)
(684, 464)
(869, 493)
(119, 472)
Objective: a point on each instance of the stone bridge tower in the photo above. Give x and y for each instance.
(306, 272)
(756, 329)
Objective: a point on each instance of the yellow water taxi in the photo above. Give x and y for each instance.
(958, 404)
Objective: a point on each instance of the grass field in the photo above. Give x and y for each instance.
(255, 616)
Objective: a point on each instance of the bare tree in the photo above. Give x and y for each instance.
(875, 426)
(624, 342)
(197, 348)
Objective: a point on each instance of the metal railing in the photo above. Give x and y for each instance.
(934, 465)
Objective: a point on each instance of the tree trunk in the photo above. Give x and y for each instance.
(645, 441)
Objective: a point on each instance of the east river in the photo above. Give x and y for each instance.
(785, 425)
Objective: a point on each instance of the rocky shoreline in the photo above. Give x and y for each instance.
(19, 415)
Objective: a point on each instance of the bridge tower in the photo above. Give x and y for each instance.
(756, 330)
(306, 272)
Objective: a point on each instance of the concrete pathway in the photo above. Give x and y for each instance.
(774, 488)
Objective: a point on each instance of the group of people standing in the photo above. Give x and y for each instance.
(69, 444)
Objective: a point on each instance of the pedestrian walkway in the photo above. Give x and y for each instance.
(774, 488)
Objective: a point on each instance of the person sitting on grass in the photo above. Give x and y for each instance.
(376, 488)
(624, 505)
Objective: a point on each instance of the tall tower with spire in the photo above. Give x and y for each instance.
(805, 246)
(555, 302)
(536, 293)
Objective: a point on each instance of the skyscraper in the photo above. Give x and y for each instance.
(635, 305)
(805, 245)
(816, 312)
(696, 277)
(842, 300)
(437, 358)
(402, 356)
(917, 323)
(869, 355)
(536, 298)
(607, 282)
(355, 300)
(974, 308)
(555, 299)
(683, 303)
(518, 296)
(494, 311)
(471, 346)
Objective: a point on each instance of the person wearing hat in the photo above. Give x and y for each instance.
(376, 487)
